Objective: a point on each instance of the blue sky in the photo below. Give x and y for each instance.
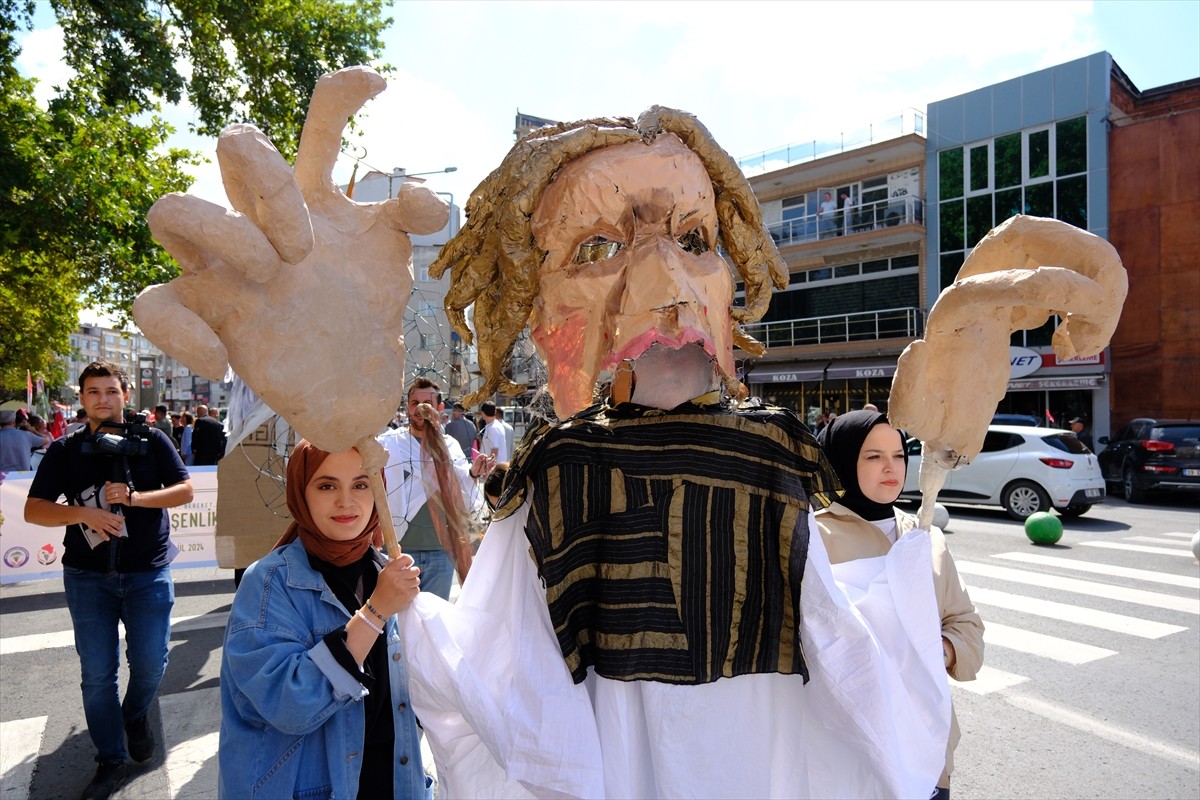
(759, 75)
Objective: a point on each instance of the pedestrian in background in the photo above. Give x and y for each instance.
(116, 564)
(314, 696)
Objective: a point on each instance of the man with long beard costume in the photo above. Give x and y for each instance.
(652, 614)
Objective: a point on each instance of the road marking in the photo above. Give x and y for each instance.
(1039, 644)
(1168, 602)
(48, 641)
(1064, 612)
(1097, 727)
(1184, 536)
(1155, 540)
(989, 680)
(20, 743)
(191, 732)
(1137, 548)
(1186, 581)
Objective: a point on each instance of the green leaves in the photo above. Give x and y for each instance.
(77, 178)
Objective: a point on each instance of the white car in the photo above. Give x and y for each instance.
(1023, 469)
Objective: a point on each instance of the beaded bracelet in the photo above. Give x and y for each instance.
(371, 624)
(375, 611)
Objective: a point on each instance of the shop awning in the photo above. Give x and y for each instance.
(1038, 384)
(861, 369)
(794, 372)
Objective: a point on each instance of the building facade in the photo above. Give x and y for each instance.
(851, 226)
(1076, 142)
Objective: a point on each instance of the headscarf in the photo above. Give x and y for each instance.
(303, 464)
(842, 440)
(446, 507)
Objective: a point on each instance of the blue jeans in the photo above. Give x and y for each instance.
(143, 601)
(437, 571)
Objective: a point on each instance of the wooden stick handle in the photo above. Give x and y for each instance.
(374, 458)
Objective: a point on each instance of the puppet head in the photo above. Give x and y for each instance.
(605, 231)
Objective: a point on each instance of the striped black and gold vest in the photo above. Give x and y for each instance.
(672, 544)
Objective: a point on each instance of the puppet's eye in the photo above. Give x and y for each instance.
(596, 249)
(693, 242)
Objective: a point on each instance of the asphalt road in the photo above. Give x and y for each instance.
(1091, 686)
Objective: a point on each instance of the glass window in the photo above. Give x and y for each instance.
(870, 267)
(797, 277)
(979, 168)
(951, 226)
(951, 264)
(1071, 200)
(1070, 146)
(1039, 154)
(1008, 161)
(845, 271)
(1008, 204)
(874, 190)
(950, 173)
(1040, 337)
(1039, 200)
(994, 441)
(979, 218)
(905, 262)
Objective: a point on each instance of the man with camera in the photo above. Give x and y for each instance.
(118, 479)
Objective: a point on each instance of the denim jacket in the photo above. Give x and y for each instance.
(292, 719)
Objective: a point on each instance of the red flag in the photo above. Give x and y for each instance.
(1050, 417)
(28, 388)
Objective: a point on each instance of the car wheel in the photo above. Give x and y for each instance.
(1022, 498)
(1133, 492)
(1074, 511)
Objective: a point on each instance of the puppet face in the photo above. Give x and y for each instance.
(630, 238)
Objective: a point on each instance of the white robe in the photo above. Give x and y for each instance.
(504, 719)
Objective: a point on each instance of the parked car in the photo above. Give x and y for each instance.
(1153, 455)
(1022, 468)
(1028, 420)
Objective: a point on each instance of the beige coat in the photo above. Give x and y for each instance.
(849, 537)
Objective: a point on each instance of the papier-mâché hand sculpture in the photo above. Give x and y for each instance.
(300, 289)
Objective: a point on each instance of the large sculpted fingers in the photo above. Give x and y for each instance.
(259, 184)
(417, 209)
(201, 235)
(175, 328)
(335, 98)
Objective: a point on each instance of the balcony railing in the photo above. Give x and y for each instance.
(908, 121)
(891, 323)
(904, 210)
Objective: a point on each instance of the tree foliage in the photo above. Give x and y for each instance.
(77, 177)
(251, 60)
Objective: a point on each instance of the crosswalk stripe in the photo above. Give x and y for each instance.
(1134, 740)
(1186, 581)
(1155, 540)
(49, 641)
(1185, 536)
(988, 680)
(20, 743)
(1064, 612)
(1169, 602)
(191, 732)
(1039, 644)
(1137, 548)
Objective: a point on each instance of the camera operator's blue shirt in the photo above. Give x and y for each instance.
(66, 472)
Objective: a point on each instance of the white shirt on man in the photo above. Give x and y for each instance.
(495, 440)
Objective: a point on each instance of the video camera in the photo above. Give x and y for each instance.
(134, 439)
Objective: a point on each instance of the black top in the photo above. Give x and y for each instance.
(352, 585)
(66, 472)
(208, 441)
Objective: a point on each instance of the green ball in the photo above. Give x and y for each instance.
(1043, 528)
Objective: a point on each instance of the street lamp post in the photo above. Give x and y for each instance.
(400, 172)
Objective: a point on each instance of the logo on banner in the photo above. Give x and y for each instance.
(16, 557)
(1022, 361)
(46, 556)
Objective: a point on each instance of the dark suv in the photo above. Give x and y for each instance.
(1150, 455)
